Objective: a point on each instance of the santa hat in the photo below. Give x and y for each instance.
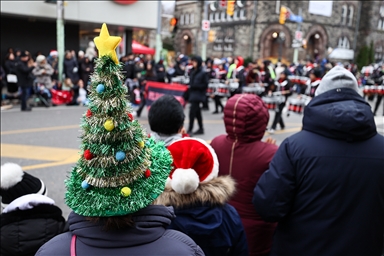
(16, 183)
(194, 161)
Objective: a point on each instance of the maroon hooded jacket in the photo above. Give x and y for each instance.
(245, 157)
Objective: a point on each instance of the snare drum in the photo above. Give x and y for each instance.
(257, 90)
(296, 105)
(222, 90)
(212, 89)
(380, 90)
(366, 89)
(270, 102)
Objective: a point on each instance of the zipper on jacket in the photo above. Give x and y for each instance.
(234, 132)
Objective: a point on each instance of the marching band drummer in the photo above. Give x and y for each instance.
(313, 82)
(285, 89)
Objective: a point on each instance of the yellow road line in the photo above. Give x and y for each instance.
(41, 129)
(39, 153)
(45, 165)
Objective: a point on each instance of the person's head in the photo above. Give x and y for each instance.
(68, 81)
(18, 52)
(251, 115)
(80, 83)
(315, 74)
(197, 61)
(130, 56)
(10, 56)
(166, 116)
(24, 56)
(149, 66)
(80, 54)
(194, 162)
(40, 60)
(15, 183)
(68, 55)
(53, 54)
(338, 77)
(284, 75)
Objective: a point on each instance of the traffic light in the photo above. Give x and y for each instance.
(211, 36)
(173, 25)
(284, 13)
(230, 7)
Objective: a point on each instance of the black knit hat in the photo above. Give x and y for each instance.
(16, 183)
(166, 115)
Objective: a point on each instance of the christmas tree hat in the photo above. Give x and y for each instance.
(121, 170)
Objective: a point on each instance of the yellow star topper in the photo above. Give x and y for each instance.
(106, 44)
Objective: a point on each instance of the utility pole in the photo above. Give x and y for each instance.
(253, 28)
(356, 31)
(296, 50)
(159, 43)
(205, 33)
(60, 40)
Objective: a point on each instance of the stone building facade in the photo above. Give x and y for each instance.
(254, 29)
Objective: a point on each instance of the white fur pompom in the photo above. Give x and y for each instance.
(185, 181)
(11, 174)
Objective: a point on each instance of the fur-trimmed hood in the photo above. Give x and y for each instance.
(215, 192)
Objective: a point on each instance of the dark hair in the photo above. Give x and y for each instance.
(166, 115)
(114, 222)
(317, 72)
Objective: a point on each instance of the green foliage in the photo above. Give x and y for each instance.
(365, 56)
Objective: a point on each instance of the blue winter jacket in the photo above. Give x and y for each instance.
(325, 185)
(205, 216)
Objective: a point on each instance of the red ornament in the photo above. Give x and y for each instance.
(88, 155)
(147, 173)
(149, 135)
(89, 113)
(130, 117)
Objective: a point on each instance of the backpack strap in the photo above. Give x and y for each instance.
(73, 245)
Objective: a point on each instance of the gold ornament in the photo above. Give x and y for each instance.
(107, 44)
(108, 125)
(141, 144)
(125, 191)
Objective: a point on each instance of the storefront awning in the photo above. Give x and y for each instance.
(141, 49)
(342, 54)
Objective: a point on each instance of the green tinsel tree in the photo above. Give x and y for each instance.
(121, 170)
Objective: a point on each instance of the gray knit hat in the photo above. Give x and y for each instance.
(337, 77)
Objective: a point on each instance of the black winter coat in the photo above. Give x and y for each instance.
(24, 74)
(325, 185)
(198, 85)
(71, 69)
(23, 232)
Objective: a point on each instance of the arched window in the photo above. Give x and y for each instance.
(192, 18)
(182, 19)
(350, 15)
(343, 43)
(344, 10)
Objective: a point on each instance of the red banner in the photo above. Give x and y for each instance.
(155, 90)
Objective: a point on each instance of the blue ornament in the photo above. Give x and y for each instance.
(84, 184)
(100, 88)
(120, 156)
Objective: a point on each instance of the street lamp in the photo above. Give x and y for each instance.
(281, 41)
(274, 34)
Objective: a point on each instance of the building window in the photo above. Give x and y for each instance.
(192, 18)
(343, 43)
(186, 18)
(380, 24)
(182, 19)
(344, 10)
(350, 15)
(277, 6)
(382, 11)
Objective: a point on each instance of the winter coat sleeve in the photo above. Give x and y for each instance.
(274, 193)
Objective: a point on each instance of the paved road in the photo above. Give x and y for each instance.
(45, 142)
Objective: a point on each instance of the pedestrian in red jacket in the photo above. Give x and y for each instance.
(245, 157)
